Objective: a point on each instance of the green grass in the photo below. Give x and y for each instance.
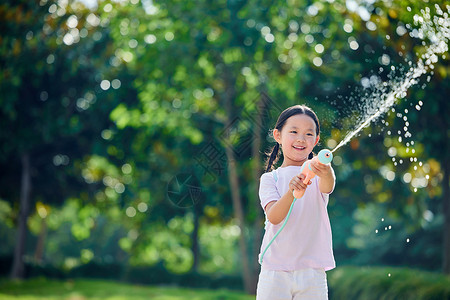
(86, 289)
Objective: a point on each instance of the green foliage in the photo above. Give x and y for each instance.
(6, 223)
(387, 283)
(95, 289)
(218, 243)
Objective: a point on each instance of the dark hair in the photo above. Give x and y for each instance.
(273, 155)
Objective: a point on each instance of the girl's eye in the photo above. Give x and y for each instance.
(294, 131)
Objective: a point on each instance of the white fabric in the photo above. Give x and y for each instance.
(287, 285)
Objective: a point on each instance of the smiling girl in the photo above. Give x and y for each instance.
(294, 266)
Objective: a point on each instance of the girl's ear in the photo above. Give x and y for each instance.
(277, 136)
(317, 140)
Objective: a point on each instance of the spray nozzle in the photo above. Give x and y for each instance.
(325, 156)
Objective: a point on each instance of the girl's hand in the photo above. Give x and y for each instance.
(326, 176)
(296, 183)
(320, 169)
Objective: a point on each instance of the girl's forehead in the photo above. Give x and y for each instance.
(301, 121)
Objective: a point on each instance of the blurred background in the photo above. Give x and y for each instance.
(133, 135)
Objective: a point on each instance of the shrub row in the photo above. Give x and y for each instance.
(387, 283)
(152, 275)
(347, 282)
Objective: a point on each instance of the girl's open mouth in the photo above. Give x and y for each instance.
(299, 147)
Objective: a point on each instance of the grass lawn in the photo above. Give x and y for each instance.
(89, 289)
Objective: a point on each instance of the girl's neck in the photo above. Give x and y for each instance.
(293, 164)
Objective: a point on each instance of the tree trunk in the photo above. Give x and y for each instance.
(239, 214)
(257, 170)
(39, 252)
(195, 244)
(18, 267)
(446, 210)
(238, 210)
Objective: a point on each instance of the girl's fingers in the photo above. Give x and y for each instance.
(297, 185)
(303, 185)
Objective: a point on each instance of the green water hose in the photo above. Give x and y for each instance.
(278, 232)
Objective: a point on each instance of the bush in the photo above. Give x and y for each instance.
(43, 270)
(156, 274)
(97, 270)
(151, 275)
(387, 283)
(5, 265)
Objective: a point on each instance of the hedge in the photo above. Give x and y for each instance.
(385, 283)
(344, 282)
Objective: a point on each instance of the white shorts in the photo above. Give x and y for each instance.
(288, 285)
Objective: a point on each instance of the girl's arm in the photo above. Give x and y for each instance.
(327, 179)
(276, 211)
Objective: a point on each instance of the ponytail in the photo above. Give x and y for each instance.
(274, 155)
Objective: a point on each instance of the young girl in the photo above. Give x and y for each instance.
(294, 265)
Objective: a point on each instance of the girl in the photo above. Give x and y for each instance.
(294, 265)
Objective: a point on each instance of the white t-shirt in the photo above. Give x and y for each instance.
(305, 241)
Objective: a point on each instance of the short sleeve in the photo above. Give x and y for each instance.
(267, 189)
(325, 197)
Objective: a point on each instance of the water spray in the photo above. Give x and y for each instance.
(437, 30)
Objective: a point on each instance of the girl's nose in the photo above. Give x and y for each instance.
(301, 138)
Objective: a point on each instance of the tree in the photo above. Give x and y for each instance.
(47, 85)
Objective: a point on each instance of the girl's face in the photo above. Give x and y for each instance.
(297, 139)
